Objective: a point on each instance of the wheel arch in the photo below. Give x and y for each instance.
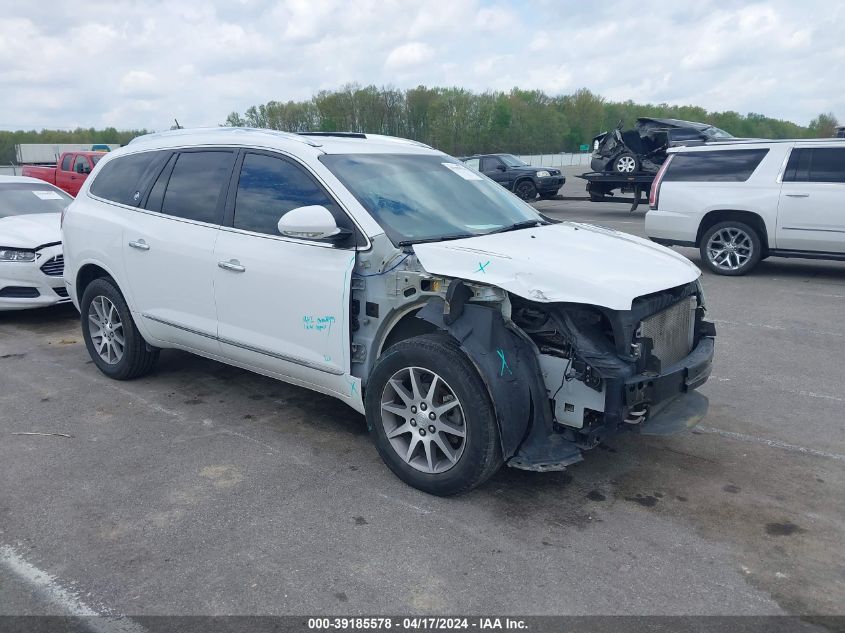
(752, 219)
(403, 325)
(88, 273)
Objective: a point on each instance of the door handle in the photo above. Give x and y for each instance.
(141, 245)
(798, 195)
(233, 264)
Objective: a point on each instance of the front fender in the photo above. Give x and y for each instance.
(509, 368)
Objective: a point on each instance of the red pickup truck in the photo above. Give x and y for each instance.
(69, 174)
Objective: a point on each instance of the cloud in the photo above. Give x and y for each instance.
(411, 54)
(131, 64)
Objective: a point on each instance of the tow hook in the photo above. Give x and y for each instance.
(636, 416)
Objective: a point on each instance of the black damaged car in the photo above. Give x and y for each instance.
(644, 147)
(518, 176)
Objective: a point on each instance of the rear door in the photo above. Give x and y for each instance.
(169, 249)
(282, 303)
(811, 211)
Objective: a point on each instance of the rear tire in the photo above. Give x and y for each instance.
(730, 248)
(414, 429)
(112, 339)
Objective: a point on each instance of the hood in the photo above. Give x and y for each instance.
(30, 231)
(530, 169)
(570, 262)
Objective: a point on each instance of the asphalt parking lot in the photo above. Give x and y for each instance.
(203, 489)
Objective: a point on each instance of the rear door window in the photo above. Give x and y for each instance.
(733, 165)
(473, 162)
(816, 164)
(269, 187)
(125, 178)
(194, 188)
(66, 161)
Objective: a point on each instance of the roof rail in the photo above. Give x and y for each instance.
(243, 130)
(747, 141)
(338, 134)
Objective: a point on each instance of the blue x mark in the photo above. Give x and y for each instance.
(505, 365)
(481, 267)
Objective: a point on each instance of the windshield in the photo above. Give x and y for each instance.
(30, 198)
(512, 161)
(714, 133)
(421, 197)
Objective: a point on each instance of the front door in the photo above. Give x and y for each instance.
(494, 168)
(169, 250)
(283, 304)
(811, 211)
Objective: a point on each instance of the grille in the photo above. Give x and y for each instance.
(62, 292)
(54, 267)
(671, 331)
(19, 292)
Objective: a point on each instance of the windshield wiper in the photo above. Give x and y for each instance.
(437, 238)
(525, 224)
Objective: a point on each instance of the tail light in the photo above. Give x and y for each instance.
(654, 192)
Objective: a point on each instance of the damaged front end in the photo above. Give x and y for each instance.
(565, 376)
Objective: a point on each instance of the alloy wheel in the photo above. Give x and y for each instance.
(729, 248)
(626, 164)
(423, 420)
(106, 329)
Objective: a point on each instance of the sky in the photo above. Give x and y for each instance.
(140, 64)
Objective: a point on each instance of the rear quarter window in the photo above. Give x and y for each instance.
(734, 165)
(122, 178)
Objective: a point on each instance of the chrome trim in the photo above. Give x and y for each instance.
(290, 359)
(800, 228)
(179, 327)
(782, 171)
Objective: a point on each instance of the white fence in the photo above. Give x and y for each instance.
(556, 160)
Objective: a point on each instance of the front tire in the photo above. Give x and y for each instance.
(731, 248)
(431, 418)
(112, 339)
(526, 190)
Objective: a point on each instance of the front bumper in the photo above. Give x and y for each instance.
(681, 378)
(23, 285)
(551, 185)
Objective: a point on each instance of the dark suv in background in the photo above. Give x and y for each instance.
(515, 175)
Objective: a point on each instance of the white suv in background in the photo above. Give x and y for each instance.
(742, 201)
(470, 330)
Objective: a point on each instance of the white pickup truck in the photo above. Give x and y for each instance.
(743, 201)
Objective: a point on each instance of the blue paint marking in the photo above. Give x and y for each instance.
(352, 388)
(505, 365)
(481, 267)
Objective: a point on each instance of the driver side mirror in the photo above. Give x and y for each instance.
(80, 168)
(312, 222)
(501, 167)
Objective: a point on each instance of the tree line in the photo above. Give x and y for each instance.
(109, 135)
(456, 120)
(460, 121)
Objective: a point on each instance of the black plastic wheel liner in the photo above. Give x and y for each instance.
(509, 368)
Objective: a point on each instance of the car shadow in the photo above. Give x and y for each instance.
(40, 316)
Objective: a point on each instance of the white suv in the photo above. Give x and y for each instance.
(743, 201)
(470, 330)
